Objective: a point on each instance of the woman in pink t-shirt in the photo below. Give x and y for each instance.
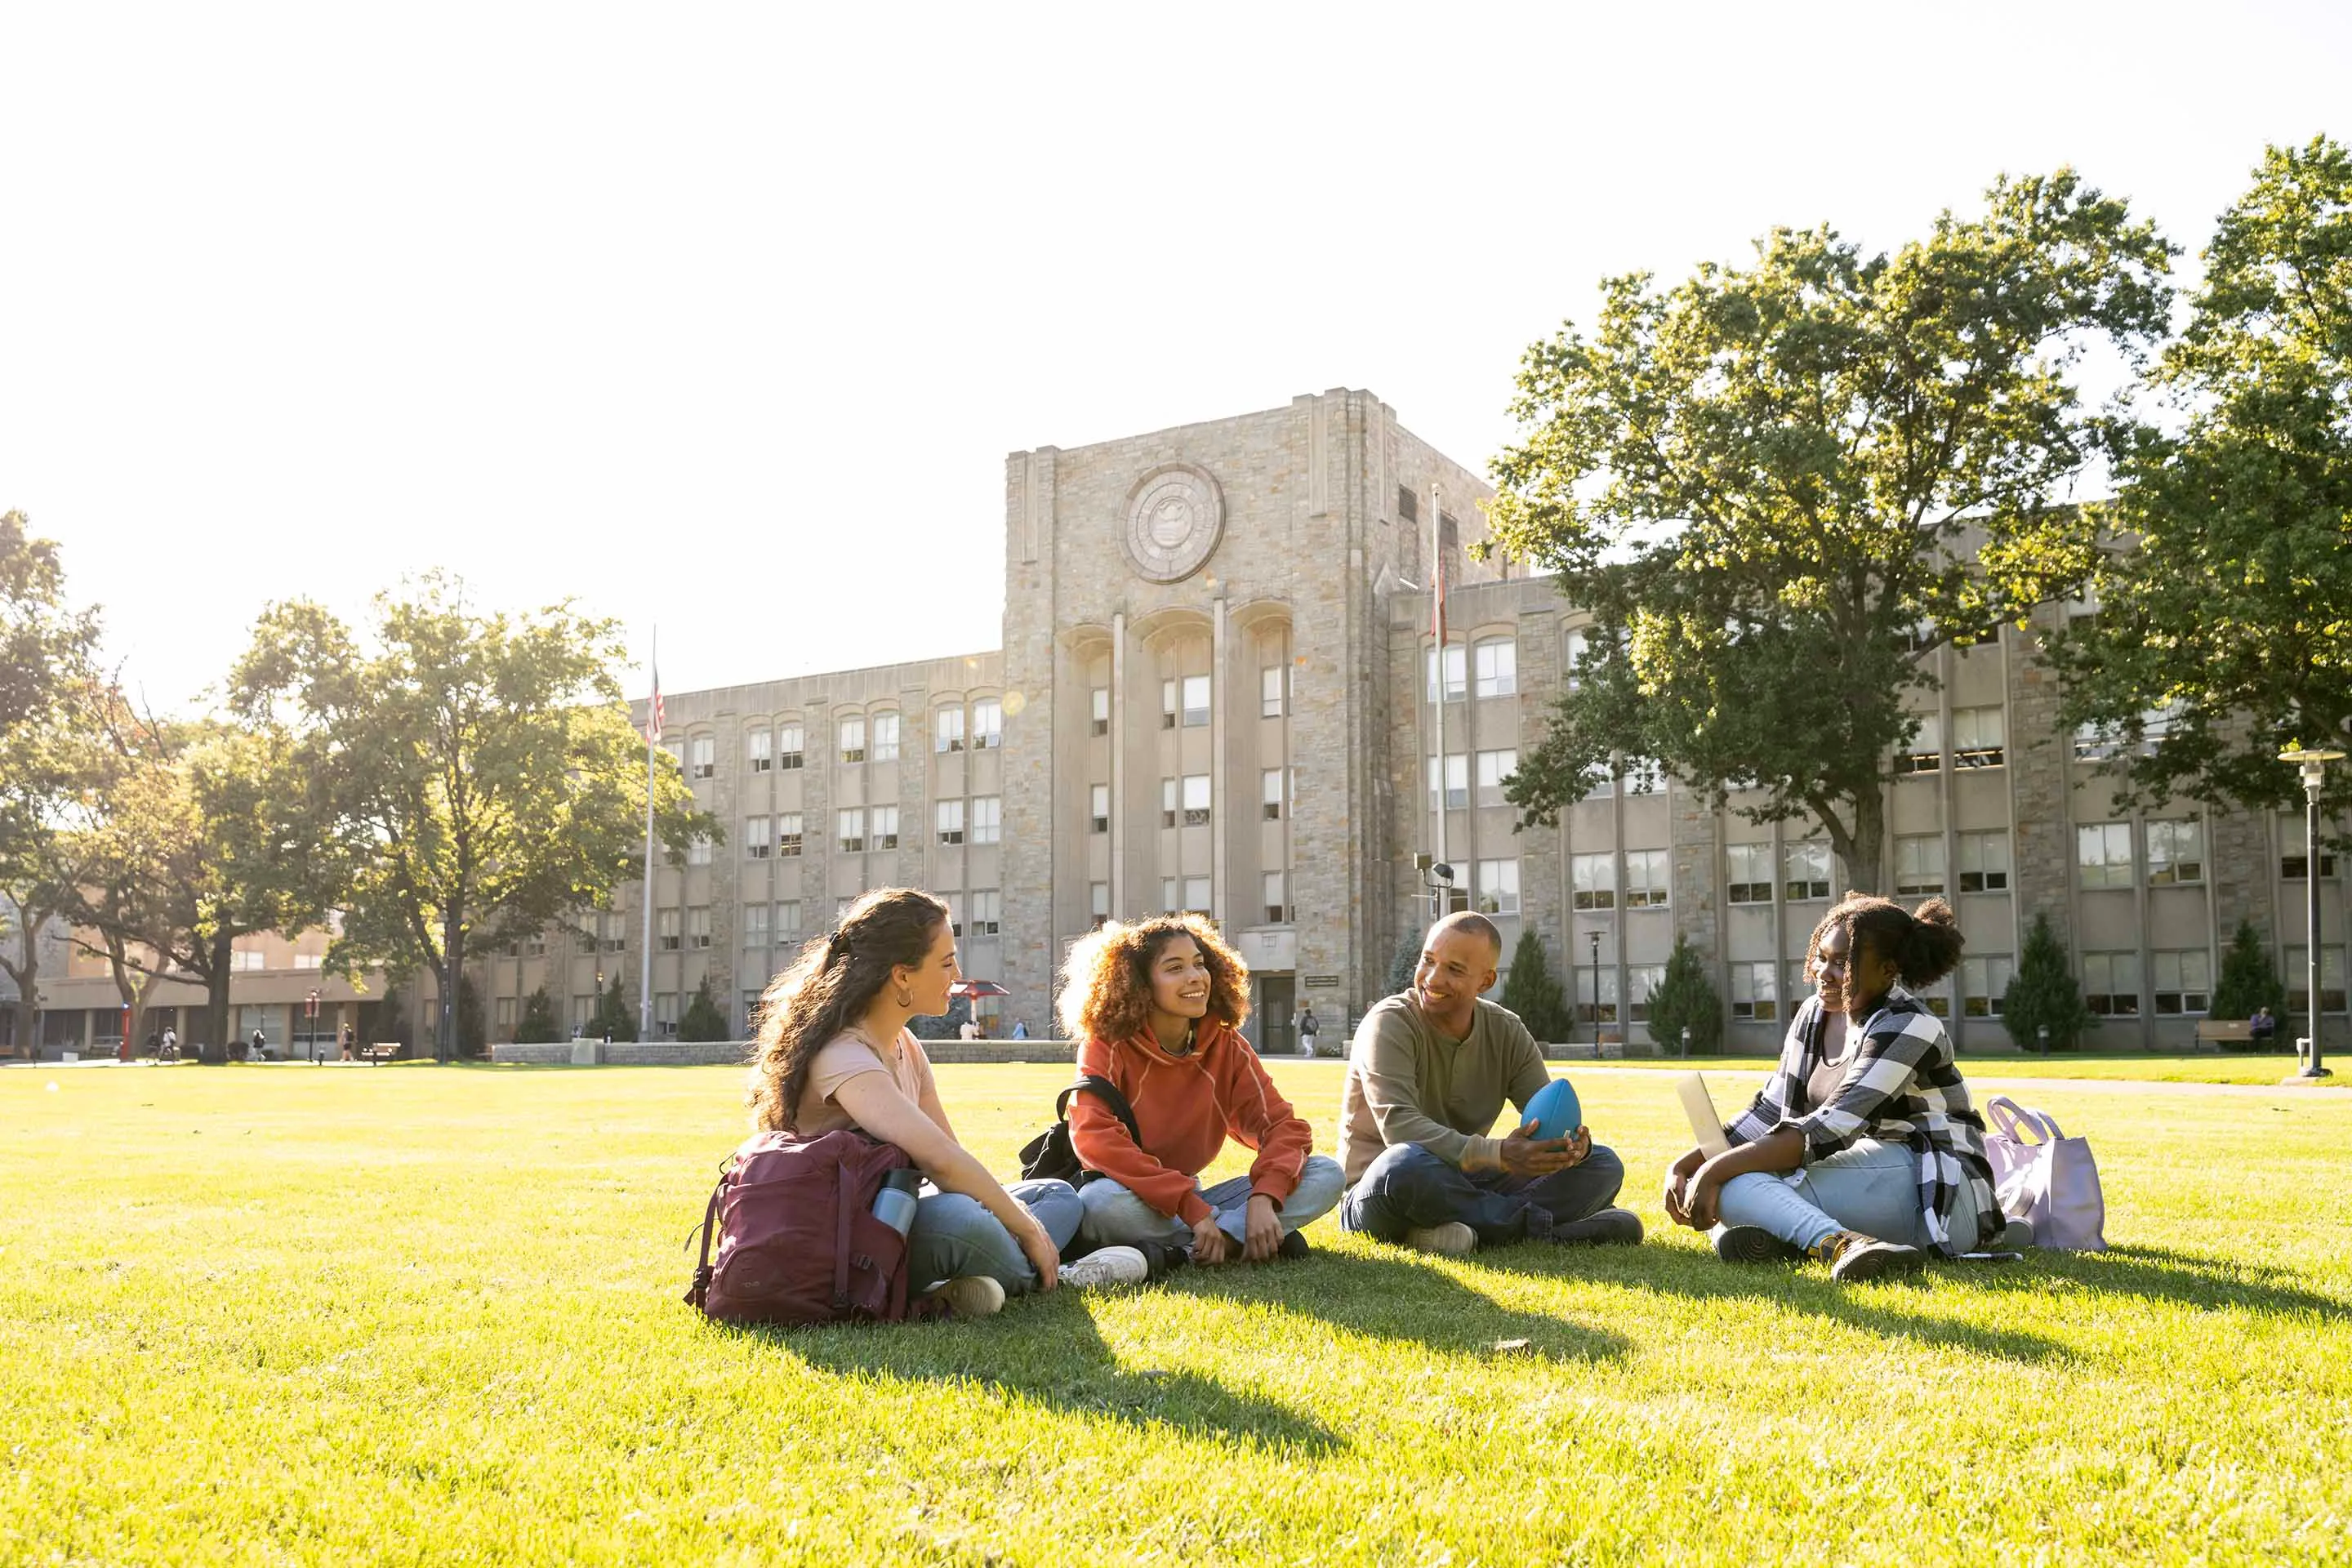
(834, 1051)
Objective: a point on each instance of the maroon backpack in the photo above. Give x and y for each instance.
(798, 1242)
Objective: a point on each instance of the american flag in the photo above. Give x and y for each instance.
(657, 717)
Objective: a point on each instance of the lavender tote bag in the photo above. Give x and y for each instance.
(2044, 1177)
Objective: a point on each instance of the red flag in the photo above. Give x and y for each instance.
(658, 718)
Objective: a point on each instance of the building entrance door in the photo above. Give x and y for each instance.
(1276, 1002)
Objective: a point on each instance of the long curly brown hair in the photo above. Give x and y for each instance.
(828, 987)
(1923, 944)
(1107, 980)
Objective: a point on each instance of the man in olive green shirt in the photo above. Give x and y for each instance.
(1427, 1074)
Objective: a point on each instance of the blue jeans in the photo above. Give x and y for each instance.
(1870, 1186)
(1409, 1188)
(954, 1235)
(1115, 1216)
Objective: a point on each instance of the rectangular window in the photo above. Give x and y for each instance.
(1573, 648)
(2182, 982)
(1196, 895)
(1979, 737)
(1276, 896)
(1494, 769)
(1098, 902)
(2298, 979)
(755, 925)
(1496, 664)
(1926, 754)
(1168, 705)
(788, 834)
(2103, 854)
(506, 1015)
(612, 930)
(698, 926)
(2176, 852)
(1170, 893)
(1269, 784)
(886, 738)
(2294, 851)
(1596, 994)
(1098, 808)
(1599, 782)
(852, 825)
(751, 1014)
(1643, 981)
(1269, 691)
(1495, 886)
(853, 740)
(665, 1013)
(1919, 863)
(1806, 869)
(245, 959)
(677, 749)
(2111, 983)
(318, 960)
(583, 1010)
(1984, 980)
(1754, 990)
(987, 912)
(987, 818)
(697, 852)
(1649, 876)
(885, 827)
(757, 844)
(1594, 878)
(1457, 668)
(1643, 776)
(1196, 702)
(758, 750)
(1456, 781)
(666, 930)
(788, 919)
(1747, 869)
(789, 746)
(987, 724)
(1167, 802)
(950, 820)
(2095, 743)
(1984, 862)
(947, 730)
(1098, 711)
(1196, 800)
(705, 751)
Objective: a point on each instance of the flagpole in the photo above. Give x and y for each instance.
(645, 973)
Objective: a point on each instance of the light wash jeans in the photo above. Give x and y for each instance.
(1115, 1216)
(954, 1235)
(1870, 1186)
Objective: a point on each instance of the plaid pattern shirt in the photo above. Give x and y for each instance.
(1903, 1087)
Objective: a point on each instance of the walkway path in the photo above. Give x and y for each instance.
(2317, 1095)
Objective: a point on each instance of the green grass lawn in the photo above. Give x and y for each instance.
(2204, 1067)
(287, 1314)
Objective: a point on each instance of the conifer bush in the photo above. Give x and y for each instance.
(537, 1022)
(1533, 992)
(2247, 982)
(703, 1020)
(2043, 992)
(1686, 998)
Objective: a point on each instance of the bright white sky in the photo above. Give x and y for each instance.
(725, 318)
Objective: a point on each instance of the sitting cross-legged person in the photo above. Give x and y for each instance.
(1427, 1074)
(1156, 1008)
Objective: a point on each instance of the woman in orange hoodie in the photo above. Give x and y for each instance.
(1156, 1008)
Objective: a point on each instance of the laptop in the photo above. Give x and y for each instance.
(1706, 1127)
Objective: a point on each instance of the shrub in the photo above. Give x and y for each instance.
(2247, 982)
(1686, 999)
(2042, 994)
(538, 1021)
(947, 1026)
(703, 1020)
(1533, 993)
(470, 1030)
(1405, 959)
(615, 1019)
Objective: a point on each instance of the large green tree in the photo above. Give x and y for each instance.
(483, 776)
(2225, 630)
(1778, 486)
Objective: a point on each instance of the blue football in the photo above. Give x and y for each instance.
(1554, 1110)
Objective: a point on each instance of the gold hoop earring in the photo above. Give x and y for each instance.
(905, 998)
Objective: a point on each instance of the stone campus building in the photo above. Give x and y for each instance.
(1214, 693)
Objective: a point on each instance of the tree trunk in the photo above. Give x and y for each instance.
(27, 976)
(451, 965)
(1865, 866)
(216, 979)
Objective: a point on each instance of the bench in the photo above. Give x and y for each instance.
(375, 1055)
(2212, 1032)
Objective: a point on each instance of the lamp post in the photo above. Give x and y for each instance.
(2313, 765)
(1593, 937)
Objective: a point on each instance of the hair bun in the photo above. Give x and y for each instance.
(1936, 912)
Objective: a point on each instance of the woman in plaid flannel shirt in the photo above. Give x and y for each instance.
(1862, 1151)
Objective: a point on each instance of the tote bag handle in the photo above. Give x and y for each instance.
(2015, 1121)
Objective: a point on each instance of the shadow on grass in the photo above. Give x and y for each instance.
(2161, 1274)
(1050, 1352)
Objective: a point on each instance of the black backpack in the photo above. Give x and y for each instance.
(1050, 1157)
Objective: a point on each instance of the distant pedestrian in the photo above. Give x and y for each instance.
(1021, 1028)
(1307, 1029)
(260, 1045)
(171, 1044)
(2262, 1028)
(970, 1030)
(349, 1040)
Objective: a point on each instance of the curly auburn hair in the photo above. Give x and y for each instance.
(828, 987)
(1107, 980)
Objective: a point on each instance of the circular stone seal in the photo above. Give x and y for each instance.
(1174, 519)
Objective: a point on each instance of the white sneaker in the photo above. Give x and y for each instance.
(971, 1296)
(1452, 1238)
(1106, 1265)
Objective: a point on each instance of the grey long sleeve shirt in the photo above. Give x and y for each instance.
(1409, 1084)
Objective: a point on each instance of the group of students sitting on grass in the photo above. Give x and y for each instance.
(1861, 1152)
